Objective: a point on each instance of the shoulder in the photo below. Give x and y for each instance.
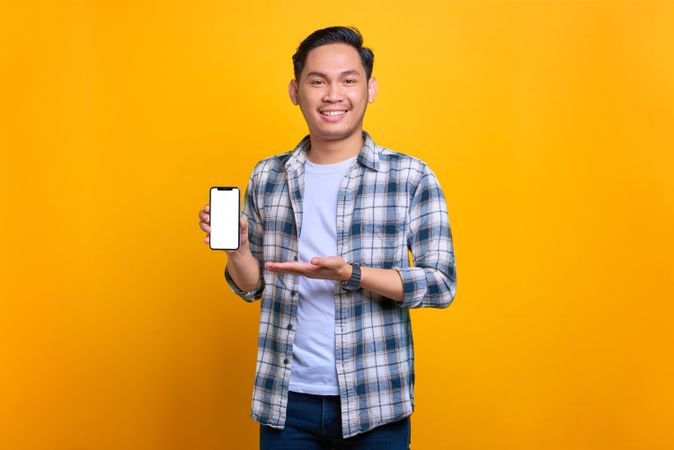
(403, 166)
(269, 172)
(273, 163)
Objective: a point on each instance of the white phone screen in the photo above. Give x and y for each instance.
(224, 211)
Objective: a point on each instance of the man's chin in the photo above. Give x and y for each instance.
(335, 135)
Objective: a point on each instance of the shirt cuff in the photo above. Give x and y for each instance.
(248, 296)
(415, 286)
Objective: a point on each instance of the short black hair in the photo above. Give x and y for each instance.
(331, 35)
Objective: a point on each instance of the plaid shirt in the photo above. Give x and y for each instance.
(388, 203)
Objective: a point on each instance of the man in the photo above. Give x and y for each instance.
(325, 235)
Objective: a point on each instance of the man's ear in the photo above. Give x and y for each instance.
(371, 89)
(292, 91)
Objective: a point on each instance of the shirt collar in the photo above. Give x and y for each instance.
(368, 156)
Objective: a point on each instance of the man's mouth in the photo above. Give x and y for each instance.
(334, 113)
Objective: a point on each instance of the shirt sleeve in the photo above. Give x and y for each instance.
(255, 240)
(431, 282)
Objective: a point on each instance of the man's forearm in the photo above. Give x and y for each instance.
(386, 282)
(244, 270)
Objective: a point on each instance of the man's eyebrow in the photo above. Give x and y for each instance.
(322, 75)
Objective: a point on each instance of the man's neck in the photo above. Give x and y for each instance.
(330, 152)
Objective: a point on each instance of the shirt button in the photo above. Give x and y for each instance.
(293, 293)
(295, 257)
(290, 326)
(286, 361)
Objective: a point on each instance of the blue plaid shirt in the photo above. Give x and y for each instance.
(388, 203)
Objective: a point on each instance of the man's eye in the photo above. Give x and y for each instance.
(317, 82)
(350, 81)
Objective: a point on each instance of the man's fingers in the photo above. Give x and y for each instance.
(204, 214)
(294, 268)
(205, 227)
(204, 221)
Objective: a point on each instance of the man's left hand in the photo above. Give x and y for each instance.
(325, 268)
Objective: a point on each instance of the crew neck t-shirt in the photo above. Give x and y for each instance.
(314, 370)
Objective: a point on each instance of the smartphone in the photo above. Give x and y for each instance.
(225, 225)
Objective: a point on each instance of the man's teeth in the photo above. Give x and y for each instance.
(332, 113)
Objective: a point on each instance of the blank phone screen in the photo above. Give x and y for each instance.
(224, 207)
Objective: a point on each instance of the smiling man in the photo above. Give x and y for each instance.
(325, 235)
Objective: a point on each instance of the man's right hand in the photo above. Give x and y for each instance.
(241, 264)
(205, 221)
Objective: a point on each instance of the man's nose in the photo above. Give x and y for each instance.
(333, 93)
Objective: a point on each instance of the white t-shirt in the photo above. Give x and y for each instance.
(314, 370)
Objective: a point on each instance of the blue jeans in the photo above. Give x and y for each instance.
(314, 422)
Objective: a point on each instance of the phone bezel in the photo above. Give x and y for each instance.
(238, 224)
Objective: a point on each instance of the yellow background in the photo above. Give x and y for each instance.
(550, 126)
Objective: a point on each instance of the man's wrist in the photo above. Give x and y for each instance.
(239, 255)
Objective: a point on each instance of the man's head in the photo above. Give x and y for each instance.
(331, 35)
(333, 82)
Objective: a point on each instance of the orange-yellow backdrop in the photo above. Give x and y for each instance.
(549, 124)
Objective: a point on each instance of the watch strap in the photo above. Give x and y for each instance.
(353, 282)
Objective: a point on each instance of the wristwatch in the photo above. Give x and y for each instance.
(353, 283)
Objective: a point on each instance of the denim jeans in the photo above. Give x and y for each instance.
(314, 422)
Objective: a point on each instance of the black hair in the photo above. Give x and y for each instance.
(331, 35)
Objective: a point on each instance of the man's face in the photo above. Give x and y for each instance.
(333, 91)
